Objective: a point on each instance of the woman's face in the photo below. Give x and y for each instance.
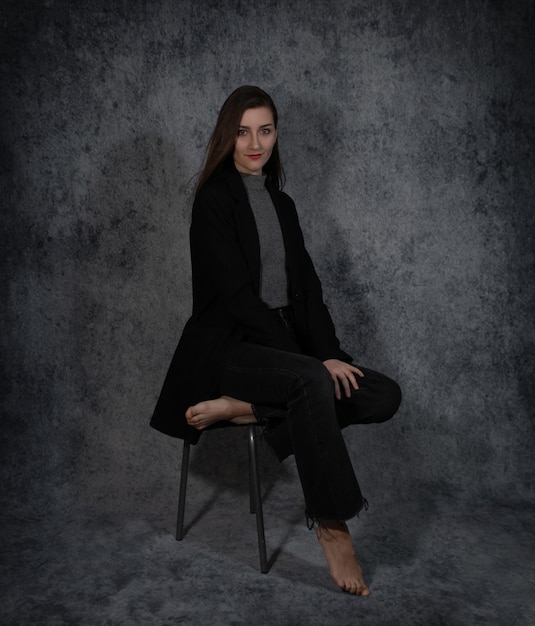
(256, 137)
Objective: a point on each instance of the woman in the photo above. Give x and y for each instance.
(260, 343)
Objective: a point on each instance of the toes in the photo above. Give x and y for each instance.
(191, 413)
(356, 589)
(352, 589)
(348, 587)
(194, 423)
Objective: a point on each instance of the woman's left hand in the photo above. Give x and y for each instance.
(343, 375)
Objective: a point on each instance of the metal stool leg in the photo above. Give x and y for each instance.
(182, 495)
(256, 498)
(252, 461)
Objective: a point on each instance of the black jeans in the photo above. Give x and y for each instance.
(293, 395)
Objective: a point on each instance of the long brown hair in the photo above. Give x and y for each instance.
(221, 146)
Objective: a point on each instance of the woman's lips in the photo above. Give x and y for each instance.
(255, 157)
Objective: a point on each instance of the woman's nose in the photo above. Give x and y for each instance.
(254, 142)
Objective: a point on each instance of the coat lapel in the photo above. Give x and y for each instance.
(246, 226)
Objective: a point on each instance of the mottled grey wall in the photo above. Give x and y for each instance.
(407, 134)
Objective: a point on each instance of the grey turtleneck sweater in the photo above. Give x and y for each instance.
(273, 289)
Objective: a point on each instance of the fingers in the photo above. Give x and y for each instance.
(337, 393)
(343, 375)
(354, 370)
(348, 380)
(349, 373)
(357, 371)
(345, 383)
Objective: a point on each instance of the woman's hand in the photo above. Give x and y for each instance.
(343, 375)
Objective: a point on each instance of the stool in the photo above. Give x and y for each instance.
(255, 497)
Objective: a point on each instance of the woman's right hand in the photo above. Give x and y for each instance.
(343, 375)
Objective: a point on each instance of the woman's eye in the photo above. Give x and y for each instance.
(266, 131)
(241, 132)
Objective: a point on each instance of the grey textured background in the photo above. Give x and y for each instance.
(407, 136)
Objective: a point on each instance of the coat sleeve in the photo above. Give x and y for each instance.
(220, 266)
(324, 344)
(321, 339)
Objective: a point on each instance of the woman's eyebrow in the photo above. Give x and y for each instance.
(262, 126)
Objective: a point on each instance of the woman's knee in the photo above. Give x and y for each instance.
(376, 401)
(389, 400)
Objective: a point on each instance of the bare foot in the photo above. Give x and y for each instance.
(209, 412)
(338, 548)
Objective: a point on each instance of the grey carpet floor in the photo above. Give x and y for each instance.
(431, 560)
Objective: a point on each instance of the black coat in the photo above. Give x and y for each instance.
(225, 258)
